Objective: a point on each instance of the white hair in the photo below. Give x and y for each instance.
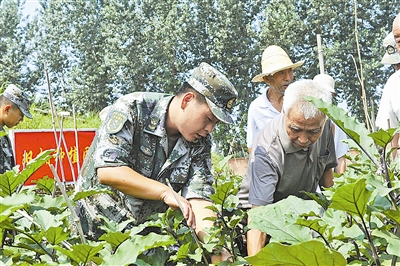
(307, 87)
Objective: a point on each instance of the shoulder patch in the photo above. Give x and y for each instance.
(116, 122)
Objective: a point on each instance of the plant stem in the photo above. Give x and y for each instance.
(389, 184)
(371, 243)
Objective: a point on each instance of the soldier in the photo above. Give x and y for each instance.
(14, 105)
(147, 138)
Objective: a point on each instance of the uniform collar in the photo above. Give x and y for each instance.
(155, 124)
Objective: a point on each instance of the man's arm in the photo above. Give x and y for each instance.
(327, 178)
(134, 184)
(264, 178)
(201, 212)
(255, 239)
(341, 167)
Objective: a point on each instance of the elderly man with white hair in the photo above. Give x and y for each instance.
(294, 152)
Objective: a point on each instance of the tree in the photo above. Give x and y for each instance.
(97, 50)
(16, 48)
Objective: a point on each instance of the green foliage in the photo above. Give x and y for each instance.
(299, 254)
(12, 180)
(39, 228)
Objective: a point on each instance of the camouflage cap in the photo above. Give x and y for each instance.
(217, 89)
(17, 96)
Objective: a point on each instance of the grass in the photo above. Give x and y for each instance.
(42, 119)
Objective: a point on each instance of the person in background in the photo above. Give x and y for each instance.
(277, 72)
(14, 106)
(389, 106)
(341, 148)
(294, 152)
(396, 31)
(149, 138)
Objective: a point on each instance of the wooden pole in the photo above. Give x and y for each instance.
(320, 55)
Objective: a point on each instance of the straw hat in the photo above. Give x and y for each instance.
(274, 59)
(327, 81)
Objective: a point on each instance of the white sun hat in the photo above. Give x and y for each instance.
(327, 81)
(391, 55)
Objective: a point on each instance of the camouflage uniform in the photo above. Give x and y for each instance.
(6, 154)
(134, 135)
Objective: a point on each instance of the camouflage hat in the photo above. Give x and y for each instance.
(217, 89)
(18, 97)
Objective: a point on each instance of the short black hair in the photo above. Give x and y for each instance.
(4, 101)
(187, 88)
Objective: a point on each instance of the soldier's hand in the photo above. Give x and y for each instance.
(184, 205)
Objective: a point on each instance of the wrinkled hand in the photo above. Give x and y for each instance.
(185, 207)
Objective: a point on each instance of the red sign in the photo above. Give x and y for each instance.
(29, 143)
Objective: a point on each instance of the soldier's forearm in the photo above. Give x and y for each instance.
(132, 183)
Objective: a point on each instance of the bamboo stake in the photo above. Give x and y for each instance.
(53, 117)
(59, 150)
(361, 75)
(320, 55)
(73, 213)
(76, 140)
(62, 139)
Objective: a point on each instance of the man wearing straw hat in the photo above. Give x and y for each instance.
(14, 105)
(277, 72)
(389, 107)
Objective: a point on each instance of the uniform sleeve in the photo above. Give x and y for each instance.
(264, 178)
(115, 138)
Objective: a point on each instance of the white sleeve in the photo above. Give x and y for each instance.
(250, 127)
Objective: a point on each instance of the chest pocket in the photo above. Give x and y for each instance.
(322, 162)
(178, 177)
